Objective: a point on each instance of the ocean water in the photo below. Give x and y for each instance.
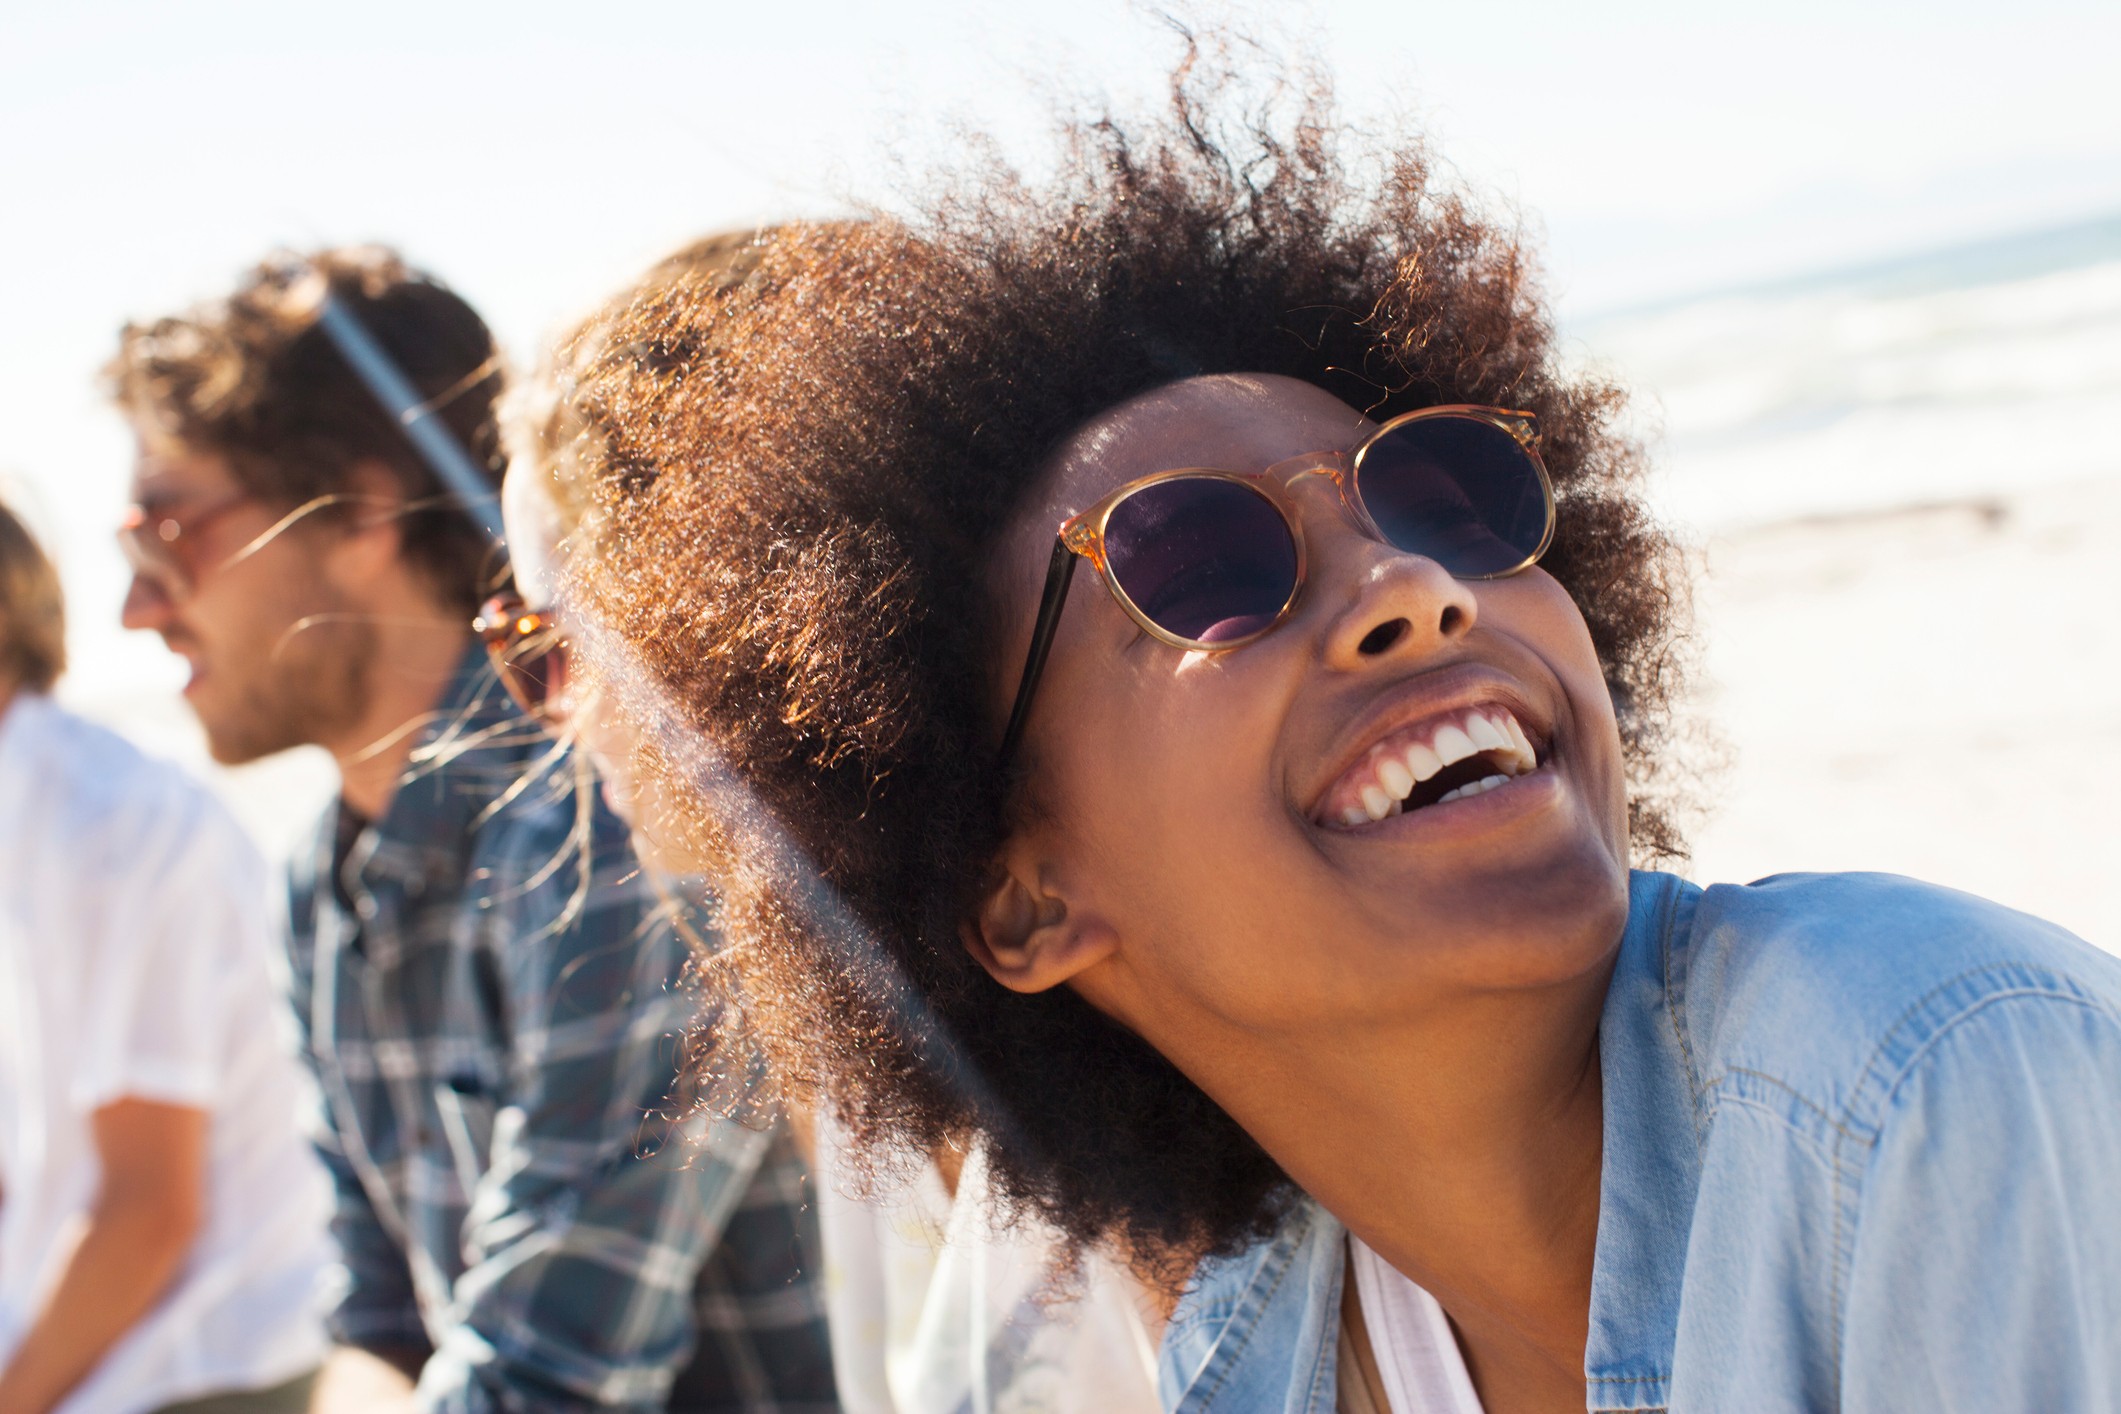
(1903, 488)
(1978, 371)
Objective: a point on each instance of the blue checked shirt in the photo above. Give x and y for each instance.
(488, 992)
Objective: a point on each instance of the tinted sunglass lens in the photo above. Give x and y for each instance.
(151, 559)
(1204, 559)
(1459, 490)
(527, 674)
(523, 648)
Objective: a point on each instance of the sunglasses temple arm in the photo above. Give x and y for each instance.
(1060, 571)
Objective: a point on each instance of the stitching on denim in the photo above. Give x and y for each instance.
(1329, 1349)
(1847, 1192)
(1974, 1009)
(1922, 1003)
(1632, 1379)
(1825, 1115)
(1251, 1329)
(1820, 1151)
(1675, 1008)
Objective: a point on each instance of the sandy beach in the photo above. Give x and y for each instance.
(1933, 691)
(1906, 513)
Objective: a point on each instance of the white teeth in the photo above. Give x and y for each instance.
(1485, 734)
(1485, 783)
(1495, 730)
(1453, 745)
(1526, 757)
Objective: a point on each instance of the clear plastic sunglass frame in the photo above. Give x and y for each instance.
(1082, 536)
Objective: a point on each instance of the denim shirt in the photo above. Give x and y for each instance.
(1862, 1153)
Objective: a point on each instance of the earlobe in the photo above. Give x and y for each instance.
(1027, 937)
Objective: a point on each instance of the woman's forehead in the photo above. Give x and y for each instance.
(535, 529)
(1243, 422)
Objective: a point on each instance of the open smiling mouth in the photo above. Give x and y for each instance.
(1428, 763)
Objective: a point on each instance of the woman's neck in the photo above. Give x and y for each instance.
(1465, 1151)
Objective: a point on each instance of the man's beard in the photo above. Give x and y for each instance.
(309, 684)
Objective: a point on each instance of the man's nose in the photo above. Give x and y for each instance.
(147, 605)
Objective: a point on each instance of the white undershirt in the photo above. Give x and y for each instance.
(1417, 1356)
(934, 1309)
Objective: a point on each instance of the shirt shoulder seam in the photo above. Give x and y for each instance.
(1984, 987)
(1675, 1008)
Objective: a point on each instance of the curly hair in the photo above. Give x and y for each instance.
(251, 378)
(556, 424)
(802, 476)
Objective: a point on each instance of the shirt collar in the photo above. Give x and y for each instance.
(23, 729)
(1651, 1167)
(473, 750)
(1255, 1333)
(18, 718)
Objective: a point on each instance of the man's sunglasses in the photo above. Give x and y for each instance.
(528, 651)
(1212, 560)
(162, 546)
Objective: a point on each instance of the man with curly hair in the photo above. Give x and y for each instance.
(486, 984)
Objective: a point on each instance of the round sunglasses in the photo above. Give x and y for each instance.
(526, 647)
(1210, 560)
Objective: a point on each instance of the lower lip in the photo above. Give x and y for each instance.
(1495, 808)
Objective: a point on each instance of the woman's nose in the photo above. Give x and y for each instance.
(1398, 606)
(1384, 602)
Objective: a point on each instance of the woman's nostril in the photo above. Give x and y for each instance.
(1454, 619)
(1381, 638)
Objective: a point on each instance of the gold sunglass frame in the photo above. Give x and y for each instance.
(1082, 535)
(513, 631)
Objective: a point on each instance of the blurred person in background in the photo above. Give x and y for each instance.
(939, 1300)
(486, 989)
(161, 1219)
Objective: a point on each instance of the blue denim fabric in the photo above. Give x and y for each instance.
(1862, 1153)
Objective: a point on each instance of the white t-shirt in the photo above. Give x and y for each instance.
(136, 962)
(1418, 1359)
(933, 1310)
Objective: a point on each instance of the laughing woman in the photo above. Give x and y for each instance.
(1220, 664)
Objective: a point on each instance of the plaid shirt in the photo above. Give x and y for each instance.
(494, 1032)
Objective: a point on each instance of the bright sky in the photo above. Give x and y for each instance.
(535, 154)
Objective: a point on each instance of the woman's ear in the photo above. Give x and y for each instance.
(1026, 932)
